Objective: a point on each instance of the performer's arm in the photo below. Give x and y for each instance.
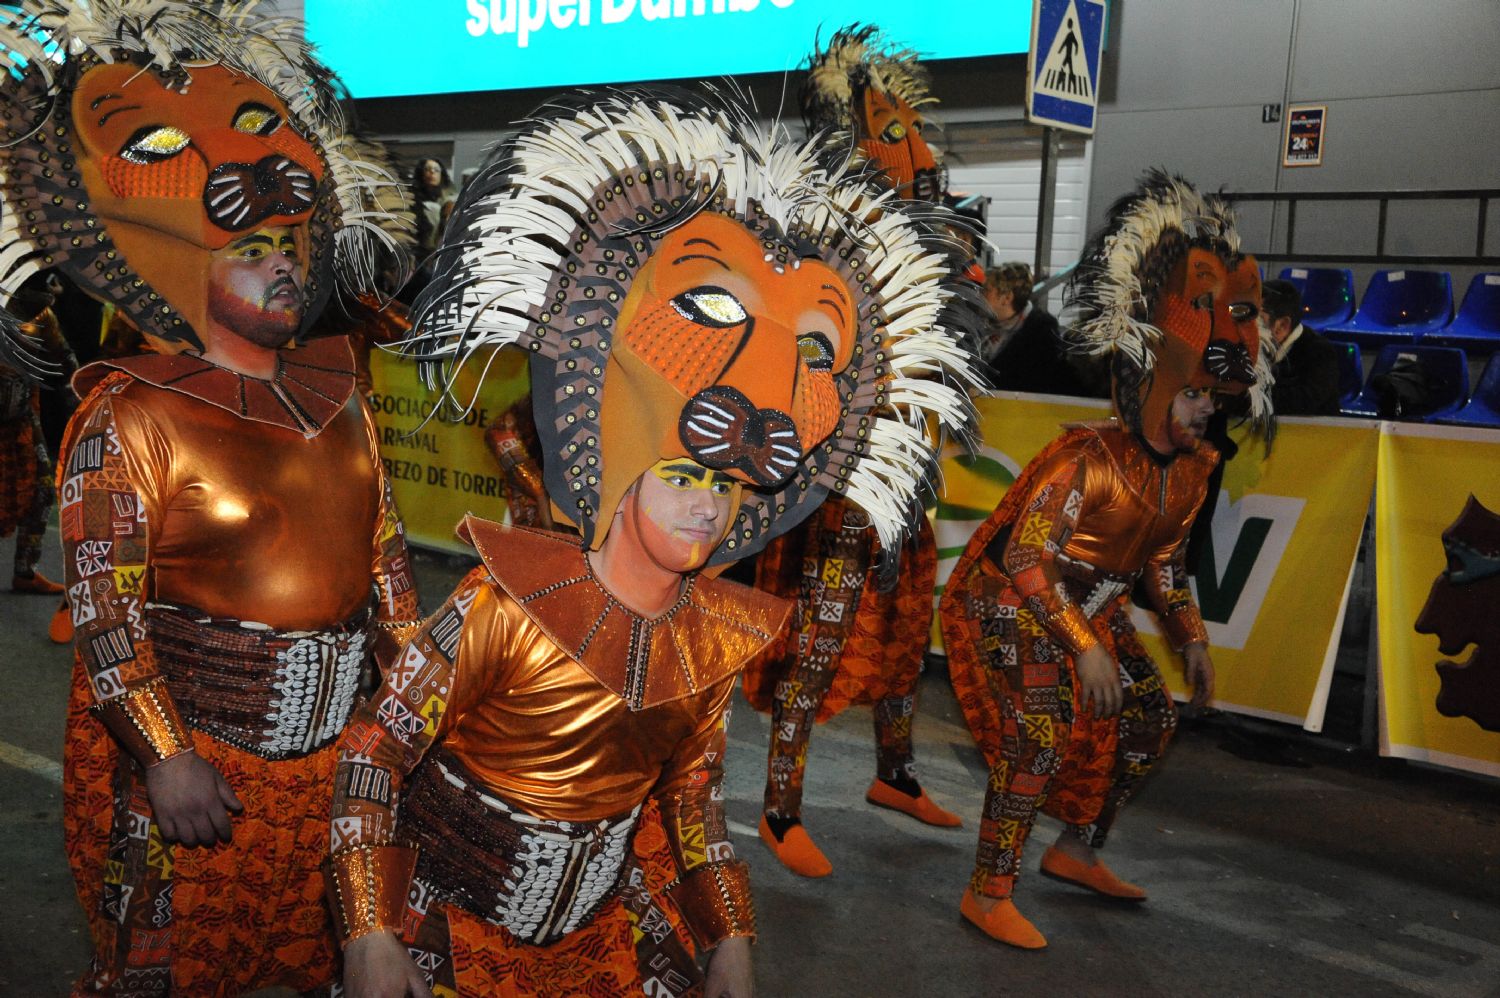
(397, 615)
(105, 533)
(1047, 521)
(712, 890)
(1182, 623)
(368, 870)
(1045, 524)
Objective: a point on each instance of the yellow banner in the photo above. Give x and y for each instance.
(1283, 542)
(441, 470)
(1427, 474)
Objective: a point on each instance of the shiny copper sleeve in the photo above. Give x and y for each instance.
(367, 887)
(146, 723)
(715, 902)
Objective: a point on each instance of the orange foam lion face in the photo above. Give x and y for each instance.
(889, 132)
(175, 172)
(726, 355)
(1207, 311)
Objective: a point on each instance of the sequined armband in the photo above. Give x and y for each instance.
(367, 887)
(146, 723)
(715, 902)
(1071, 629)
(1183, 625)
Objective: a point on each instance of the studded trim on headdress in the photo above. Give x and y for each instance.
(46, 220)
(552, 230)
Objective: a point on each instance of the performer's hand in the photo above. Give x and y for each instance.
(1099, 682)
(1198, 669)
(191, 800)
(729, 974)
(377, 965)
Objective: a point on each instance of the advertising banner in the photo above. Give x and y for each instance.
(441, 469)
(451, 46)
(1437, 541)
(1273, 579)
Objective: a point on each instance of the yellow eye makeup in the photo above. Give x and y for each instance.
(686, 475)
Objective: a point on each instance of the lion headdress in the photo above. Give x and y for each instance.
(691, 284)
(140, 135)
(871, 98)
(1165, 291)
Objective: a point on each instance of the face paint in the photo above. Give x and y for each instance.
(1188, 420)
(681, 512)
(255, 287)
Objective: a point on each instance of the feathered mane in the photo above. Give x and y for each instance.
(1124, 265)
(581, 196)
(855, 58)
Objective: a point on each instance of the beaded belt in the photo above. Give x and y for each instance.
(1092, 588)
(540, 879)
(276, 694)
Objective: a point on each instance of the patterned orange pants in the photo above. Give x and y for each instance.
(1048, 757)
(216, 921)
(851, 642)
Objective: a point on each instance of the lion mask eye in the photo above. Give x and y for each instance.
(709, 306)
(154, 144)
(816, 351)
(1242, 311)
(894, 132)
(256, 119)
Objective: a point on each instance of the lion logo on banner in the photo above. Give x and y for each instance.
(1460, 611)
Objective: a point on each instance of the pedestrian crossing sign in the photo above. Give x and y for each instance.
(1062, 78)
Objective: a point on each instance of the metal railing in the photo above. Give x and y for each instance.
(1291, 199)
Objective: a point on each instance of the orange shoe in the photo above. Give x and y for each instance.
(60, 627)
(36, 584)
(1098, 878)
(1002, 923)
(921, 807)
(796, 852)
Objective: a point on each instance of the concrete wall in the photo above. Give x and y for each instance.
(1413, 96)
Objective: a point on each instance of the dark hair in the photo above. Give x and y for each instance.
(416, 174)
(1281, 300)
(1013, 278)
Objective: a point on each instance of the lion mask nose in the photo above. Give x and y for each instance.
(722, 429)
(239, 196)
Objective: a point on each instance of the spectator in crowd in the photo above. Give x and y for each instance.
(432, 199)
(1024, 348)
(1307, 365)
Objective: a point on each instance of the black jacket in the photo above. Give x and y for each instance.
(1307, 378)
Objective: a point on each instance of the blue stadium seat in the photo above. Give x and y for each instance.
(1399, 306)
(1476, 327)
(1447, 373)
(1484, 408)
(1351, 374)
(1327, 294)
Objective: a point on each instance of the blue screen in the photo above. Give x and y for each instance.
(391, 48)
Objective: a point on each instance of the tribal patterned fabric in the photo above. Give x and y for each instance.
(849, 643)
(26, 490)
(202, 922)
(512, 438)
(1024, 601)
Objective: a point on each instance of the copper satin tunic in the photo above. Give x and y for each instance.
(555, 698)
(250, 520)
(1132, 514)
